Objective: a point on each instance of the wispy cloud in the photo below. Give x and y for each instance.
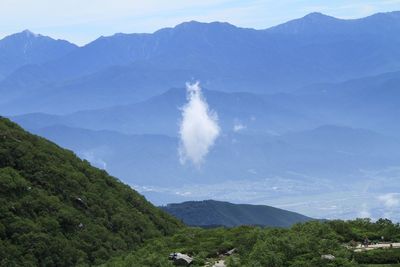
(238, 126)
(390, 200)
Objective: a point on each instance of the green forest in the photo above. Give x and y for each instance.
(58, 210)
(299, 246)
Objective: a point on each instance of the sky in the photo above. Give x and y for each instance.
(82, 21)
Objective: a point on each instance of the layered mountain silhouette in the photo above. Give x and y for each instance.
(368, 102)
(306, 108)
(332, 152)
(130, 67)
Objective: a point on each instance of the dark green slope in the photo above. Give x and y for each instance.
(217, 213)
(57, 210)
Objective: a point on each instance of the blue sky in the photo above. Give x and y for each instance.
(81, 21)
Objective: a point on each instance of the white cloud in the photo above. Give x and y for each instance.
(238, 126)
(199, 127)
(183, 194)
(390, 200)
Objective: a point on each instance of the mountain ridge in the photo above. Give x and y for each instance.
(315, 16)
(208, 213)
(138, 66)
(26, 47)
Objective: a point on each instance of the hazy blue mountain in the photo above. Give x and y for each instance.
(161, 114)
(155, 156)
(115, 86)
(325, 172)
(130, 67)
(26, 47)
(303, 106)
(217, 213)
(319, 24)
(344, 140)
(331, 152)
(368, 102)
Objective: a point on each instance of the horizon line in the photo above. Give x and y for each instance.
(27, 30)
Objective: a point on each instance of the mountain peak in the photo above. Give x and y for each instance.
(27, 47)
(392, 14)
(192, 25)
(314, 22)
(29, 33)
(317, 16)
(25, 35)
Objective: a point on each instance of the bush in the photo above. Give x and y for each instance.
(378, 256)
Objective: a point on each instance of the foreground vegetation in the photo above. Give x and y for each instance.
(379, 256)
(301, 245)
(57, 210)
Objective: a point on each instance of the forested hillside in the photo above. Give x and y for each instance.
(57, 210)
(312, 244)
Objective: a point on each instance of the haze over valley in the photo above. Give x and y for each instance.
(301, 116)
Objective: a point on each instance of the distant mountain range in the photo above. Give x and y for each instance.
(307, 109)
(211, 213)
(160, 114)
(26, 48)
(368, 102)
(124, 68)
(328, 151)
(323, 134)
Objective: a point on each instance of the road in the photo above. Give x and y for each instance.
(360, 248)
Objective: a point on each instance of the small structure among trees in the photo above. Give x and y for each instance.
(180, 259)
(328, 257)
